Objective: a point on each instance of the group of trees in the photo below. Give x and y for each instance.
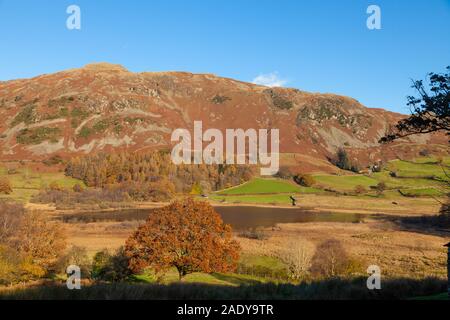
(187, 235)
(343, 162)
(153, 167)
(30, 243)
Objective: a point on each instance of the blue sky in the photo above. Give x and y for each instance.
(318, 46)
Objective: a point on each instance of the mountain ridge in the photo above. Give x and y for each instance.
(103, 107)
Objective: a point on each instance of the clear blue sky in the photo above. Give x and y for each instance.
(319, 46)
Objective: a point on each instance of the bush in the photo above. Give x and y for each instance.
(15, 267)
(110, 267)
(305, 180)
(359, 189)
(41, 239)
(278, 100)
(12, 171)
(27, 115)
(284, 173)
(75, 256)
(38, 135)
(297, 256)
(11, 215)
(53, 160)
(5, 186)
(343, 162)
(30, 243)
(77, 188)
(380, 188)
(218, 99)
(54, 186)
(254, 234)
(331, 260)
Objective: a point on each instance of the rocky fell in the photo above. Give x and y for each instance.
(105, 108)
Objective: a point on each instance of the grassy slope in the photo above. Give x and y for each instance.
(418, 178)
(265, 191)
(231, 279)
(264, 186)
(345, 182)
(26, 183)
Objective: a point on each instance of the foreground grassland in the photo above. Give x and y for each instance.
(333, 289)
(408, 254)
(413, 265)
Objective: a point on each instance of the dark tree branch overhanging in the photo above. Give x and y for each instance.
(430, 111)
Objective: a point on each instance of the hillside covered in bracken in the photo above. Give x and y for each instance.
(104, 107)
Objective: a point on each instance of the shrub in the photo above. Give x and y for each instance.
(305, 180)
(77, 188)
(330, 260)
(380, 188)
(342, 160)
(218, 99)
(85, 132)
(111, 267)
(27, 115)
(278, 100)
(359, 189)
(15, 268)
(53, 160)
(355, 168)
(12, 171)
(254, 234)
(30, 243)
(5, 186)
(196, 189)
(75, 256)
(38, 135)
(55, 186)
(40, 239)
(284, 173)
(11, 215)
(297, 256)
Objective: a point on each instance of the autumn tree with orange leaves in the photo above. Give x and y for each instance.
(188, 235)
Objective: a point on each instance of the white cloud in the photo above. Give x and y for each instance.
(270, 80)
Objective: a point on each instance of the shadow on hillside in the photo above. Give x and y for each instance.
(428, 225)
(334, 289)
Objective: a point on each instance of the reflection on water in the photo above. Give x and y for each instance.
(240, 217)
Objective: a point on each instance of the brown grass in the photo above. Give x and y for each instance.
(398, 253)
